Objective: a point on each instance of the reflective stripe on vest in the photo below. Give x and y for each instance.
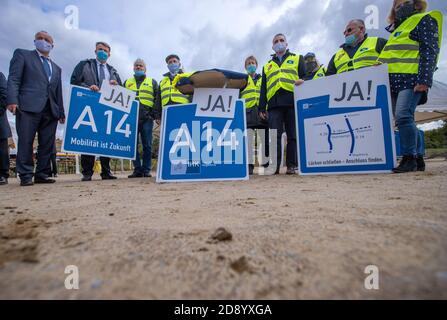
(170, 93)
(365, 56)
(281, 77)
(320, 73)
(401, 53)
(145, 94)
(251, 93)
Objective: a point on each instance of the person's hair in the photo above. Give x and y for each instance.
(105, 44)
(251, 58)
(280, 34)
(140, 61)
(42, 31)
(359, 22)
(420, 6)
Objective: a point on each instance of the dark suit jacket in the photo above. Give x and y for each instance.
(85, 74)
(5, 132)
(28, 84)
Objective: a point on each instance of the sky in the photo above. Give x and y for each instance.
(204, 33)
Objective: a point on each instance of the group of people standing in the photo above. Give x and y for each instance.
(33, 91)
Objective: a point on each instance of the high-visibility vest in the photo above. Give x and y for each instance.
(320, 73)
(251, 93)
(145, 93)
(281, 77)
(365, 56)
(401, 53)
(170, 93)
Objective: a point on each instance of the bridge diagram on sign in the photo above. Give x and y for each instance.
(349, 132)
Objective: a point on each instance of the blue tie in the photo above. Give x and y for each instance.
(46, 66)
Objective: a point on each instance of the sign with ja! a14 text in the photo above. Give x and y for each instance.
(102, 123)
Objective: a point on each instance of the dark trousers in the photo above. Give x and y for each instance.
(28, 124)
(280, 119)
(51, 170)
(4, 158)
(145, 136)
(87, 163)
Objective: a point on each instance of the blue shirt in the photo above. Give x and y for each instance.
(426, 33)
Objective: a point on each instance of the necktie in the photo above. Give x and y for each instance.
(46, 66)
(102, 74)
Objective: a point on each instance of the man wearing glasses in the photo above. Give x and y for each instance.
(358, 51)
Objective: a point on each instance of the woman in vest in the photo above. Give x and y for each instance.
(251, 95)
(411, 53)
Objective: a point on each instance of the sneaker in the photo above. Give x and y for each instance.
(407, 164)
(420, 163)
(136, 175)
(108, 177)
(86, 178)
(291, 171)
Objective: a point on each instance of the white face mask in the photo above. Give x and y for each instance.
(43, 46)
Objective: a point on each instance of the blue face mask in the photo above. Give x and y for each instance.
(139, 73)
(279, 47)
(351, 40)
(251, 69)
(102, 55)
(174, 68)
(43, 45)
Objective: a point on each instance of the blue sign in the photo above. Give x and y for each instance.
(344, 124)
(195, 146)
(97, 129)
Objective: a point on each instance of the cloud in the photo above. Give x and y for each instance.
(206, 34)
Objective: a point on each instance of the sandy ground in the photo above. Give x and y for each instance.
(293, 238)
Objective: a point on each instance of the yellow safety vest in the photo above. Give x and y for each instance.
(251, 93)
(281, 77)
(401, 53)
(320, 73)
(145, 94)
(170, 93)
(365, 56)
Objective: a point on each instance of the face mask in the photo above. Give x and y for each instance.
(139, 73)
(405, 11)
(102, 55)
(279, 47)
(311, 66)
(351, 40)
(251, 69)
(43, 45)
(174, 68)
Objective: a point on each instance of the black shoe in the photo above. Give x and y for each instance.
(420, 163)
(44, 180)
(136, 175)
(407, 164)
(147, 175)
(291, 171)
(108, 177)
(3, 181)
(86, 178)
(26, 183)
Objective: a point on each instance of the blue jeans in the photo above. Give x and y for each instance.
(406, 102)
(145, 138)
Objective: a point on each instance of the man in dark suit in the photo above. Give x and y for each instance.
(5, 133)
(91, 73)
(35, 97)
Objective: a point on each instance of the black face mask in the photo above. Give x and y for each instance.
(405, 11)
